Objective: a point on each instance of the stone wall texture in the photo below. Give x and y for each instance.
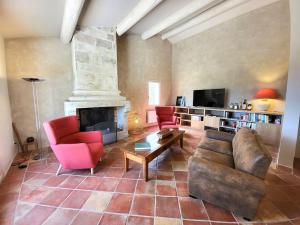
(46, 58)
(138, 63)
(242, 55)
(95, 61)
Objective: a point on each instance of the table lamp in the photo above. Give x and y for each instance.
(137, 126)
(265, 94)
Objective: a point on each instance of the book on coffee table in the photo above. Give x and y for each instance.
(142, 146)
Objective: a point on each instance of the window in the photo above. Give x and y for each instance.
(153, 93)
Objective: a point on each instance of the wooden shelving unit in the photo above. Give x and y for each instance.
(230, 120)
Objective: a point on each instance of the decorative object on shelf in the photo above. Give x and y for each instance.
(240, 105)
(244, 104)
(34, 81)
(249, 106)
(137, 126)
(264, 95)
(180, 101)
(277, 121)
(164, 133)
(231, 105)
(236, 106)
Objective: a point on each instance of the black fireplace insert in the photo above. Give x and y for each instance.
(100, 118)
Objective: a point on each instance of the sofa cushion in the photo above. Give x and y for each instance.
(216, 157)
(219, 135)
(216, 145)
(249, 153)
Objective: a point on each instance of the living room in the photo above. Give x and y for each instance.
(122, 68)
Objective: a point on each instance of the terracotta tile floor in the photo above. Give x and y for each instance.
(36, 196)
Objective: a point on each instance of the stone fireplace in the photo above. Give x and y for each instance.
(95, 83)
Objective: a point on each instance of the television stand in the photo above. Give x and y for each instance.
(267, 124)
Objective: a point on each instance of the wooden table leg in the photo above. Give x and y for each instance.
(145, 168)
(126, 163)
(181, 141)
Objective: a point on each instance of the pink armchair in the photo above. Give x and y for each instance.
(74, 149)
(165, 117)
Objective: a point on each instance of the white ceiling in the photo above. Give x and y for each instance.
(105, 13)
(27, 18)
(163, 10)
(35, 18)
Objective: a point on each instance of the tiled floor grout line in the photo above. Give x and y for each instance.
(201, 220)
(72, 220)
(112, 192)
(133, 196)
(100, 218)
(208, 217)
(277, 185)
(62, 204)
(70, 194)
(73, 174)
(178, 202)
(80, 210)
(14, 222)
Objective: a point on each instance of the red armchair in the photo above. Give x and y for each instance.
(165, 117)
(74, 149)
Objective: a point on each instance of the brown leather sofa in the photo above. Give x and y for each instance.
(228, 171)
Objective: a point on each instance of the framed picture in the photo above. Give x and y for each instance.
(180, 101)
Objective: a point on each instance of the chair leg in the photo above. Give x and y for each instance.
(58, 170)
(92, 171)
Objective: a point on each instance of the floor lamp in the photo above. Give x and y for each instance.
(34, 81)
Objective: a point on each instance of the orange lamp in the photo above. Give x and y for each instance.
(265, 94)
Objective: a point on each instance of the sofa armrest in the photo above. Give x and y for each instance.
(174, 119)
(219, 135)
(224, 175)
(74, 156)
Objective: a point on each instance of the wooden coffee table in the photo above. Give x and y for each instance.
(157, 147)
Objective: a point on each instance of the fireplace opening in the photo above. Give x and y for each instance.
(103, 119)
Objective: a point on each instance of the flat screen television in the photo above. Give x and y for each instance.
(209, 98)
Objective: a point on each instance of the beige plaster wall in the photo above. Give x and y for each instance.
(241, 55)
(139, 62)
(46, 58)
(7, 149)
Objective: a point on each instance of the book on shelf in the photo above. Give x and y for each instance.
(142, 146)
(250, 125)
(263, 118)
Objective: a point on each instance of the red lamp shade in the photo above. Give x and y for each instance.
(266, 93)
